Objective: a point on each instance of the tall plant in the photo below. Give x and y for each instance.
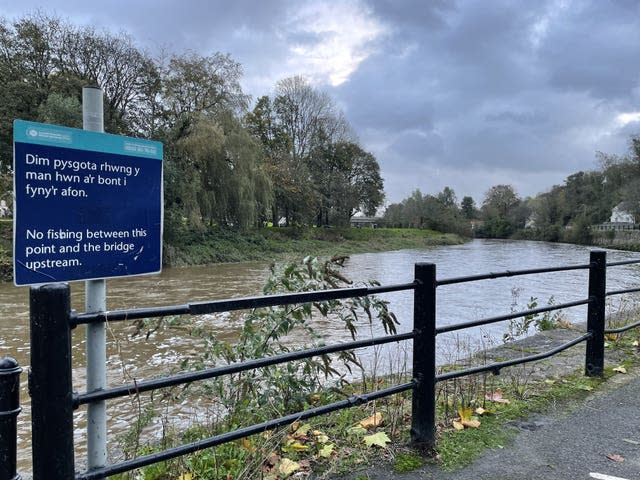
(269, 331)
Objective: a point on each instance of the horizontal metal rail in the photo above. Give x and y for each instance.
(246, 303)
(622, 292)
(509, 273)
(623, 262)
(152, 458)
(497, 366)
(188, 377)
(510, 316)
(626, 328)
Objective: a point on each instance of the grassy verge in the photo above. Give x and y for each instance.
(270, 244)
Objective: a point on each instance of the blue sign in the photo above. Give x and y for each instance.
(88, 205)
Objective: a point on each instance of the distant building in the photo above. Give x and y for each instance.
(531, 222)
(620, 215)
(359, 220)
(620, 219)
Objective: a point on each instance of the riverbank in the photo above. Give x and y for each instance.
(206, 246)
(215, 245)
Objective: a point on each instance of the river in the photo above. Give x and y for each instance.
(141, 358)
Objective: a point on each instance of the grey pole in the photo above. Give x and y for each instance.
(95, 301)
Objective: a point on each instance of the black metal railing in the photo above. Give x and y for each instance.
(53, 401)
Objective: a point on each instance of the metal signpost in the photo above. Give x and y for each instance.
(88, 206)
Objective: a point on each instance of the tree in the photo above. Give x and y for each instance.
(448, 198)
(501, 213)
(319, 173)
(307, 116)
(428, 211)
(194, 85)
(61, 110)
(222, 180)
(347, 180)
(499, 201)
(289, 179)
(468, 208)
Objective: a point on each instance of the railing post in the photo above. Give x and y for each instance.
(50, 383)
(9, 410)
(423, 414)
(594, 359)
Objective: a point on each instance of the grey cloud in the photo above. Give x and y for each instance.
(462, 93)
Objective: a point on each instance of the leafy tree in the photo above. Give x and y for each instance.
(499, 201)
(348, 180)
(468, 208)
(61, 110)
(293, 197)
(221, 176)
(447, 198)
(194, 85)
(319, 174)
(502, 212)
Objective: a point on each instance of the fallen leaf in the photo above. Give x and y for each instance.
(483, 412)
(471, 423)
(457, 425)
(288, 466)
(620, 369)
(186, 476)
(615, 457)
(273, 459)
(379, 439)
(497, 397)
(465, 413)
(632, 442)
(635, 343)
(298, 447)
(374, 420)
(302, 430)
(326, 450)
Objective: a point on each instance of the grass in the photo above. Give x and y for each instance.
(457, 449)
(217, 245)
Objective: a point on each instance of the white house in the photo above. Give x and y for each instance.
(620, 215)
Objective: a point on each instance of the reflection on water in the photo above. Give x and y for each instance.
(140, 357)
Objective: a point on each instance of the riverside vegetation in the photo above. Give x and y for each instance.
(207, 245)
(474, 413)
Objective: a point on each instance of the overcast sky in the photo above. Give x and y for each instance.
(459, 93)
